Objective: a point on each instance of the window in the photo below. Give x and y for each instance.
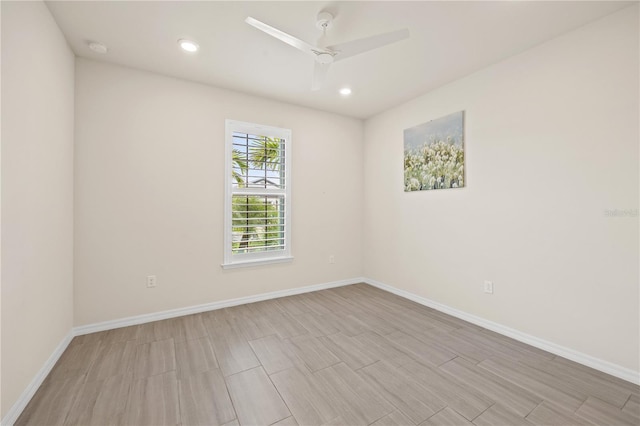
(257, 195)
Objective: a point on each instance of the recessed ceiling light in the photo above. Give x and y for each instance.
(98, 47)
(345, 91)
(188, 45)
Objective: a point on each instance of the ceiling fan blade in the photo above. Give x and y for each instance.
(282, 36)
(355, 47)
(319, 75)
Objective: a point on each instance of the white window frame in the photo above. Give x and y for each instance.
(258, 258)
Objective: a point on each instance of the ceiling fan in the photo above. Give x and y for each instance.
(325, 56)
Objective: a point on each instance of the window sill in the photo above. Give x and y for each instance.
(256, 262)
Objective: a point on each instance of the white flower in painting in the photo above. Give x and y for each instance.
(414, 184)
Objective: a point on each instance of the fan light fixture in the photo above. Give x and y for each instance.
(188, 45)
(345, 91)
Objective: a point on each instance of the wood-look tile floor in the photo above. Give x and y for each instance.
(353, 355)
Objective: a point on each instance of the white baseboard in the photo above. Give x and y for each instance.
(17, 408)
(579, 357)
(172, 313)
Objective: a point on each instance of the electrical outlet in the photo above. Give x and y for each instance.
(488, 287)
(332, 259)
(151, 281)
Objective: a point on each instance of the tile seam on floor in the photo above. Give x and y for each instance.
(284, 401)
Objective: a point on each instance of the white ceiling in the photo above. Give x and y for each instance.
(448, 40)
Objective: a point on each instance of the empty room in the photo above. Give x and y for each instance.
(320, 213)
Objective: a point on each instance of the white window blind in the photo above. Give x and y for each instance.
(257, 196)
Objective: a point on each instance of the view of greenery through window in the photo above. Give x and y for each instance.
(257, 210)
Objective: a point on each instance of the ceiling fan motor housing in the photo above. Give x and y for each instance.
(324, 58)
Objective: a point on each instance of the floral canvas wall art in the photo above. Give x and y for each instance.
(434, 154)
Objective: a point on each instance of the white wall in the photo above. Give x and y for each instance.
(37, 193)
(149, 194)
(551, 143)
